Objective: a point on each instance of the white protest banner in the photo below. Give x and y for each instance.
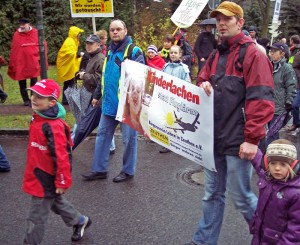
(171, 112)
(92, 8)
(276, 11)
(187, 12)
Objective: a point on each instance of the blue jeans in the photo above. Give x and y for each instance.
(106, 129)
(4, 163)
(295, 110)
(235, 174)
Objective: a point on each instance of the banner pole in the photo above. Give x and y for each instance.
(94, 24)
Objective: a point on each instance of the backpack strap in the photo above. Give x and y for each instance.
(212, 57)
(239, 62)
(128, 51)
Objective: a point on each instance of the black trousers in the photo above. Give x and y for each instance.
(2, 94)
(23, 88)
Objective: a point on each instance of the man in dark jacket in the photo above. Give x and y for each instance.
(243, 104)
(204, 45)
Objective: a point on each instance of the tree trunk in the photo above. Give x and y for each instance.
(265, 10)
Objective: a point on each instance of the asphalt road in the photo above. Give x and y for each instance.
(157, 207)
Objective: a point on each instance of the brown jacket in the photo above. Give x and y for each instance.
(93, 71)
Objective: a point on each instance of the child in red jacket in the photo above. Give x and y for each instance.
(153, 59)
(48, 168)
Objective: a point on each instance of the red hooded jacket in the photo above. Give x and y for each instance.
(156, 62)
(24, 61)
(48, 157)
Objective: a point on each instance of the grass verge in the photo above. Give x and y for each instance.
(14, 98)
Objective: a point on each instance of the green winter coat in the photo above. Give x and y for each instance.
(284, 85)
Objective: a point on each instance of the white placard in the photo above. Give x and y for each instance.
(173, 113)
(187, 12)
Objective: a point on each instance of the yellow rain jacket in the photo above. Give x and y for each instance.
(67, 63)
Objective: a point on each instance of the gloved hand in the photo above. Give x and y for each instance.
(288, 107)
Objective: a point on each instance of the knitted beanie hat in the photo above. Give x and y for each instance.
(152, 48)
(281, 150)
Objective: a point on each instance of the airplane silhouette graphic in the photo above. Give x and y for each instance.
(184, 125)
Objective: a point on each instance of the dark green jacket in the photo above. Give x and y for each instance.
(284, 85)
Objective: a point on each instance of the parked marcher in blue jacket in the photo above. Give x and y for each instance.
(277, 216)
(109, 89)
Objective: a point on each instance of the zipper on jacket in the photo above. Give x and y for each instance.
(244, 115)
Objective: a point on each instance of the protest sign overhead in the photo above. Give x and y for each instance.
(92, 8)
(169, 111)
(187, 12)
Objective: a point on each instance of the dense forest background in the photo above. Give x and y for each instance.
(147, 20)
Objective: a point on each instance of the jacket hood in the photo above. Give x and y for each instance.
(55, 112)
(74, 31)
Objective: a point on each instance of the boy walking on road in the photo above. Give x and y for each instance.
(48, 168)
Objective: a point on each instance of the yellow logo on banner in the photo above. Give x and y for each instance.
(159, 136)
(97, 8)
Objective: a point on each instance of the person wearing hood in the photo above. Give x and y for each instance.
(24, 60)
(68, 60)
(47, 174)
(277, 216)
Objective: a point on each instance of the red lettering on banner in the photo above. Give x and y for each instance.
(179, 91)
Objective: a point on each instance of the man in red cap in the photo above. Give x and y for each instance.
(24, 57)
(243, 104)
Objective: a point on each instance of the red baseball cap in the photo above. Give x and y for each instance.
(46, 88)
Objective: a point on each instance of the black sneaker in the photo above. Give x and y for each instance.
(94, 175)
(4, 170)
(78, 230)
